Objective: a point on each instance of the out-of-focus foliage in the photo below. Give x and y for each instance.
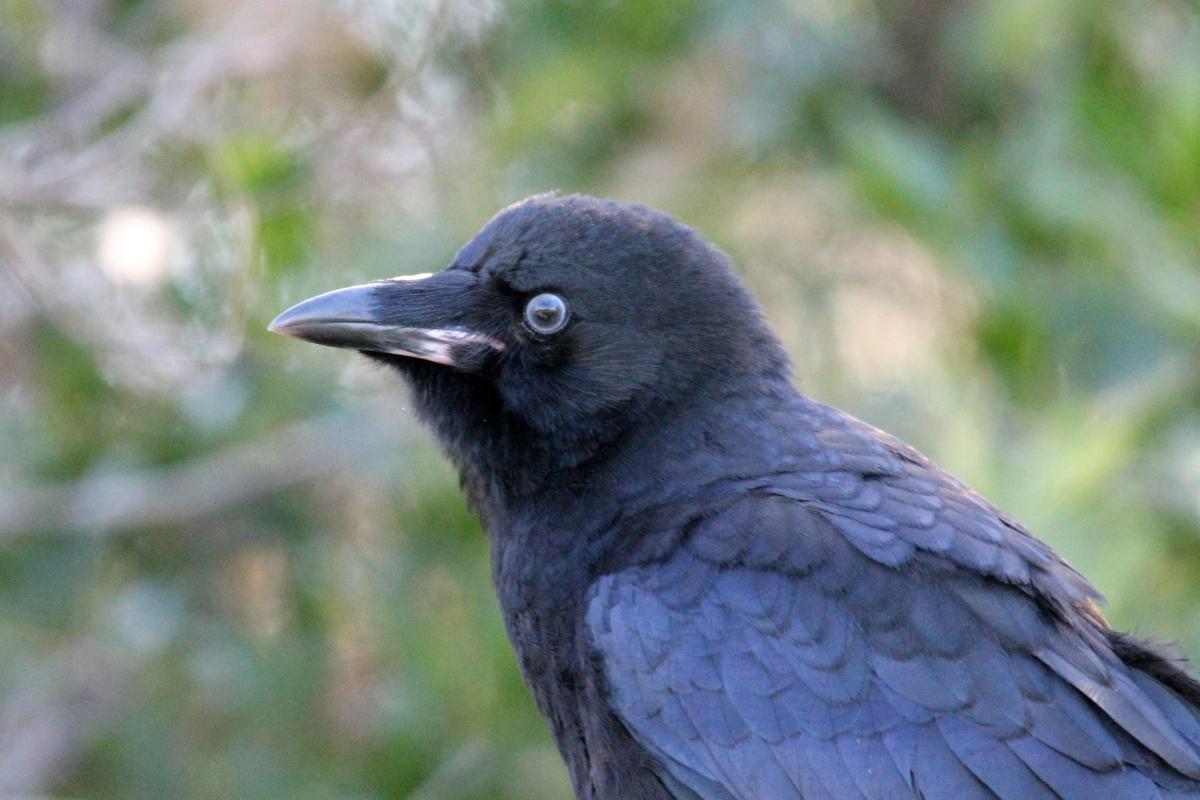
(232, 566)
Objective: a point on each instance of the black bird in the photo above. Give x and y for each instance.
(718, 588)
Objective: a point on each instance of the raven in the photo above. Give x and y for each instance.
(718, 588)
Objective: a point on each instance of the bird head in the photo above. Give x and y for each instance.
(565, 322)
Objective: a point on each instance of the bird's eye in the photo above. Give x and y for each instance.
(546, 314)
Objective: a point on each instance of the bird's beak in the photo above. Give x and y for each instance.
(422, 316)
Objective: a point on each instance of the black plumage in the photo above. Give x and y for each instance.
(718, 588)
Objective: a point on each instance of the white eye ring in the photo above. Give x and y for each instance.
(546, 314)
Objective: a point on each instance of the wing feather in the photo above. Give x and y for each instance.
(839, 676)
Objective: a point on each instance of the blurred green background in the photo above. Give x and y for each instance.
(232, 566)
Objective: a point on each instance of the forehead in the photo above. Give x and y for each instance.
(544, 243)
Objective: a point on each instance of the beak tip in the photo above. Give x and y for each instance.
(280, 324)
(349, 305)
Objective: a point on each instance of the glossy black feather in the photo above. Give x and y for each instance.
(840, 658)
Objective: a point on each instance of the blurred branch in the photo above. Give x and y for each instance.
(46, 723)
(56, 161)
(204, 487)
